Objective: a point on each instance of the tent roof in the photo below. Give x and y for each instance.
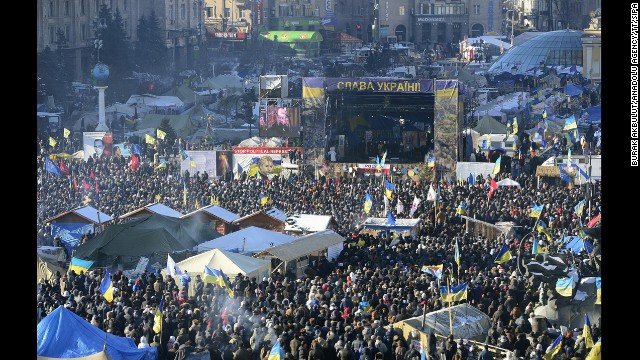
(468, 322)
(147, 235)
(255, 239)
(155, 100)
(182, 92)
(180, 123)
(488, 124)
(384, 221)
(161, 209)
(218, 212)
(307, 222)
(63, 334)
(508, 182)
(303, 245)
(88, 212)
(229, 262)
(223, 81)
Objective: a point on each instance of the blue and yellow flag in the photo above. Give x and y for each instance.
(542, 228)
(263, 199)
(79, 265)
(595, 353)
(391, 220)
(579, 208)
(586, 332)
(431, 161)
(157, 319)
(106, 287)
(367, 203)
(435, 270)
(536, 211)
(598, 291)
(192, 163)
(183, 154)
(389, 188)
(508, 127)
(456, 293)
(276, 352)
(184, 193)
(553, 349)
(496, 166)
(456, 254)
(564, 286)
(461, 209)
(503, 254)
(535, 248)
(384, 158)
(515, 125)
(216, 277)
(570, 123)
(313, 92)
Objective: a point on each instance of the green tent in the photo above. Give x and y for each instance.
(152, 236)
(182, 123)
(305, 43)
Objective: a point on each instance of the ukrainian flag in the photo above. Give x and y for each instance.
(496, 167)
(457, 254)
(367, 203)
(456, 293)
(570, 123)
(515, 125)
(192, 163)
(598, 291)
(503, 254)
(79, 265)
(157, 319)
(276, 352)
(536, 211)
(391, 220)
(553, 349)
(431, 161)
(263, 199)
(564, 286)
(595, 353)
(313, 92)
(106, 287)
(535, 249)
(217, 277)
(435, 270)
(389, 188)
(586, 332)
(542, 228)
(579, 208)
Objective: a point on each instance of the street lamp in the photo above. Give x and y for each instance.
(98, 45)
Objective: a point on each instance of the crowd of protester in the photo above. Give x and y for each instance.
(338, 311)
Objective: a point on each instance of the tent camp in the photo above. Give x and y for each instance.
(151, 236)
(182, 123)
(489, 125)
(63, 334)
(230, 263)
(247, 241)
(468, 323)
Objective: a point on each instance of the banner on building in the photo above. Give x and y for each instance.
(70, 233)
(446, 125)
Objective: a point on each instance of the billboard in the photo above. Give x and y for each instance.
(263, 162)
(199, 161)
(224, 170)
(96, 142)
(280, 121)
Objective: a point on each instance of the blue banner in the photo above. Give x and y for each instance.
(70, 233)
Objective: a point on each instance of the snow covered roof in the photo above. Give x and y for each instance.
(88, 212)
(248, 240)
(219, 212)
(276, 214)
(163, 210)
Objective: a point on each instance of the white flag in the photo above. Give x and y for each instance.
(172, 267)
(431, 195)
(399, 207)
(414, 206)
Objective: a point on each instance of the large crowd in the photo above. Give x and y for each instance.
(334, 312)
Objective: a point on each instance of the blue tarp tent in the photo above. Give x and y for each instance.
(576, 244)
(572, 90)
(63, 334)
(595, 114)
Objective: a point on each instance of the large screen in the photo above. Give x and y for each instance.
(280, 121)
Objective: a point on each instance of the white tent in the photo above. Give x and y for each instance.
(230, 263)
(508, 182)
(246, 241)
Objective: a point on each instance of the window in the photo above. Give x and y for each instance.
(401, 10)
(171, 12)
(66, 8)
(183, 11)
(82, 7)
(227, 13)
(209, 12)
(97, 7)
(67, 32)
(124, 5)
(476, 9)
(83, 31)
(52, 34)
(195, 10)
(52, 9)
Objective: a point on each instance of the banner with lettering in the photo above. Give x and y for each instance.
(380, 84)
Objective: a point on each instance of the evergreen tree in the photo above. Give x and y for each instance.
(169, 130)
(150, 54)
(54, 71)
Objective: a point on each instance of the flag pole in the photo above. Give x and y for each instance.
(449, 300)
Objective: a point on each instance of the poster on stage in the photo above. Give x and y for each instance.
(263, 162)
(224, 170)
(96, 143)
(199, 161)
(280, 122)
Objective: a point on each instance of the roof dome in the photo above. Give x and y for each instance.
(562, 47)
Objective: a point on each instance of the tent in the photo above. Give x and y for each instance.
(230, 263)
(508, 182)
(182, 124)
(576, 244)
(489, 125)
(246, 241)
(468, 323)
(63, 334)
(146, 236)
(572, 90)
(102, 355)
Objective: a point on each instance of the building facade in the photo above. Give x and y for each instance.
(550, 15)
